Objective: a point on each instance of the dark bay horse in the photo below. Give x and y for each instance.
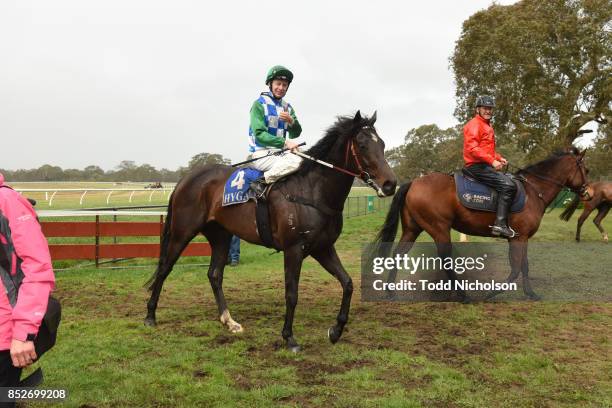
(305, 216)
(602, 201)
(430, 204)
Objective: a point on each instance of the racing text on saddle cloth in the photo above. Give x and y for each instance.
(237, 186)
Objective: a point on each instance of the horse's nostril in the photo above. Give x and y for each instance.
(389, 187)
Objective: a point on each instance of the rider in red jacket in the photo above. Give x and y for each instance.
(483, 162)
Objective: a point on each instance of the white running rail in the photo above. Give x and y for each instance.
(164, 191)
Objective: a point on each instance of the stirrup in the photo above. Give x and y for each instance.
(503, 231)
(259, 187)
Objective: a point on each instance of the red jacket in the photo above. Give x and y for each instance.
(32, 251)
(479, 142)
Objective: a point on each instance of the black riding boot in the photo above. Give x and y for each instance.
(505, 187)
(259, 186)
(501, 228)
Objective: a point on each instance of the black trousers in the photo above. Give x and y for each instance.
(9, 375)
(498, 181)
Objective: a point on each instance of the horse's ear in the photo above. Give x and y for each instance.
(357, 118)
(582, 153)
(373, 118)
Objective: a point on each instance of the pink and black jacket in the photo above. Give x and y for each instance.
(25, 269)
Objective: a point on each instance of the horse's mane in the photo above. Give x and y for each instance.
(342, 128)
(542, 165)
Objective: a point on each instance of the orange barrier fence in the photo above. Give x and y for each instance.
(98, 251)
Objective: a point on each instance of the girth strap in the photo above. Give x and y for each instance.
(262, 218)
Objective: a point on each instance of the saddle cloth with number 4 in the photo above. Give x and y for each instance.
(237, 186)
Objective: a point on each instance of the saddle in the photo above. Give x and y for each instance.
(237, 191)
(474, 195)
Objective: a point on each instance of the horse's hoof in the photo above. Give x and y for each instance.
(493, 294)
(292, 345)
(534, 297)
(232, 325)
(466, 300)
(235, 328)
(391, 296)
(149, 321)
(333, 335)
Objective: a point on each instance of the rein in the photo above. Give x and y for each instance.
(363, 175)
(582, 191)
(349, 146)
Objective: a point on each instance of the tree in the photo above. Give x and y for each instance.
(599, 159)
(46, 172)
(146, 172)
(547, 62)
(126, 171)
(429, 149)
(126, 165)
(73, 175)
(170, 175)
(93, 172)
(426, 149)
(202, 159)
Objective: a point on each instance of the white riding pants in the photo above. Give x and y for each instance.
(273, 166)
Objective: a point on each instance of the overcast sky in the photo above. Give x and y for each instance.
(97, 82)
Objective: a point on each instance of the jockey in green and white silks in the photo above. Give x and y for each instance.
(273, 124)
(266, 128)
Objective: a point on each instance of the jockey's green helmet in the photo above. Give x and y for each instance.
(279, 72)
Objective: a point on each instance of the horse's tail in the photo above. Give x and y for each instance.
(571, 208)
(163, 249)
(387, 233)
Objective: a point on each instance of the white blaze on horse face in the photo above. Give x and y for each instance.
(231, 324)
(372, 133)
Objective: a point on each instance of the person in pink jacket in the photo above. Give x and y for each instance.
(27, 280)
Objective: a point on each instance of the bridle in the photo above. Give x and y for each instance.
(582, 191)
(363, 174)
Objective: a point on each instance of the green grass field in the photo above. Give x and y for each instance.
(517, 354)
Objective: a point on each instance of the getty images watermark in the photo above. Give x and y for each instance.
(482, 271)
(422, 263)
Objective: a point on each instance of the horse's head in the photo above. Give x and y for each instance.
(577, 179)
(365, 152)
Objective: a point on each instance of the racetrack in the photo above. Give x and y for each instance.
(395, 355)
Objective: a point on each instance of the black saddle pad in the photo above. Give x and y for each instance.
(476, 196)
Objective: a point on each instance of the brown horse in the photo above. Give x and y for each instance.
(430, 204)
(305, 215)
(602, 201)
